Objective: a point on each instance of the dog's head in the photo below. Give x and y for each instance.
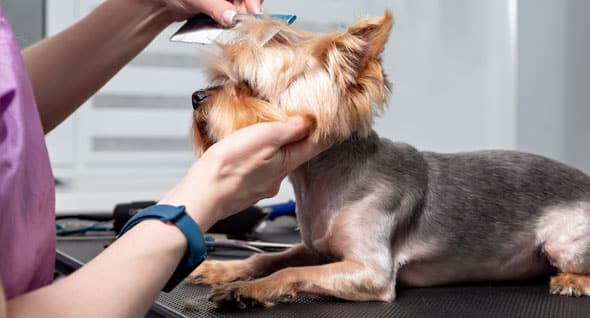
(336, 80)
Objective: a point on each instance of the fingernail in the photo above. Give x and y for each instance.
(228, 17)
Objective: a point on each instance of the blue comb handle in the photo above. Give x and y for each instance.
(205, 19)
(287, 18)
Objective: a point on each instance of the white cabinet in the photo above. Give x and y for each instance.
(131, 141)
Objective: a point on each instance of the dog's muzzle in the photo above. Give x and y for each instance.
(198, 98)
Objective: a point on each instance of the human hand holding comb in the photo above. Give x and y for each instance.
(222, 11)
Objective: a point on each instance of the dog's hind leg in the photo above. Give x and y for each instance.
(566, 242)
(348, 279)
(257, 265)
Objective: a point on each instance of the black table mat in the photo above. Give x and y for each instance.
(511, 300)
(530, 299)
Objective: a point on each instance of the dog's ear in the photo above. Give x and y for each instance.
(374, 32)
(346, 55)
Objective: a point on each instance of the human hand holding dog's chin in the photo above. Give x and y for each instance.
(243, 168)
(222, 11)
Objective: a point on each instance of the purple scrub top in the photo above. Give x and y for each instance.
(27, 194)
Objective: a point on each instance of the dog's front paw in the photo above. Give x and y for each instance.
(218, 272)
(570, 285)
(235, 295)
(248, 294)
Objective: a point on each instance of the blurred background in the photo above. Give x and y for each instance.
(467, 75)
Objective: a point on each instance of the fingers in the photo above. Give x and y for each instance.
(221, 11)
(253, 6)
(224, 11)
(282, 133)
(291, 139)
(299, 152)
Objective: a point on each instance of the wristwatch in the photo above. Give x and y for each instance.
(197, 250)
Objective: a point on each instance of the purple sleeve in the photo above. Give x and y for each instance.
(27, 203)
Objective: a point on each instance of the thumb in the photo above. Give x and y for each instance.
(221, 11)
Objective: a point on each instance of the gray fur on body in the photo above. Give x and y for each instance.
(438, 218)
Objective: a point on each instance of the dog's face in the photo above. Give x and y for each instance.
(335, 80)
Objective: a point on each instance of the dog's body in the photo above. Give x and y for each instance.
(373, 212)
(432, 219)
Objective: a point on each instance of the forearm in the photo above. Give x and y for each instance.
(123, 281)
(68, 68)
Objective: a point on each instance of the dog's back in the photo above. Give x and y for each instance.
(485, 211)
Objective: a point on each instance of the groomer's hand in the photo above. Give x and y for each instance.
(222, 11)
(243, 168)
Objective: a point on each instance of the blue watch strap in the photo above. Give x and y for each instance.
(197, 250)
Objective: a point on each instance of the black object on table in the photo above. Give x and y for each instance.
(529, 299)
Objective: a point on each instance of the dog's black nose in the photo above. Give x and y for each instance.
(198, 97)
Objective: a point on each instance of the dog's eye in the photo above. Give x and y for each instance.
(247, 84)
(214, 87)
(246, 88)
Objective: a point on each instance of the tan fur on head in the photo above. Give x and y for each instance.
(336, 80)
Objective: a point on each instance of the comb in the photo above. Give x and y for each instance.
(202, 29)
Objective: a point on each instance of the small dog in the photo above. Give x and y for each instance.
(373, 212)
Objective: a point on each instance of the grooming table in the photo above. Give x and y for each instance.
(530, 299)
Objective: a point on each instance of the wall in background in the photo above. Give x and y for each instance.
(542, 81)
(452, 66)
(27, 19)
(467, 75)
(554, 80)
(577, 93)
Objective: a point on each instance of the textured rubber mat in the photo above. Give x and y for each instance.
(531, 300)
(499, 300)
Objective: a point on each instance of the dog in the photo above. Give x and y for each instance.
(372, 212)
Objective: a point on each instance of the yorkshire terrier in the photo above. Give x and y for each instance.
(373, 212)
